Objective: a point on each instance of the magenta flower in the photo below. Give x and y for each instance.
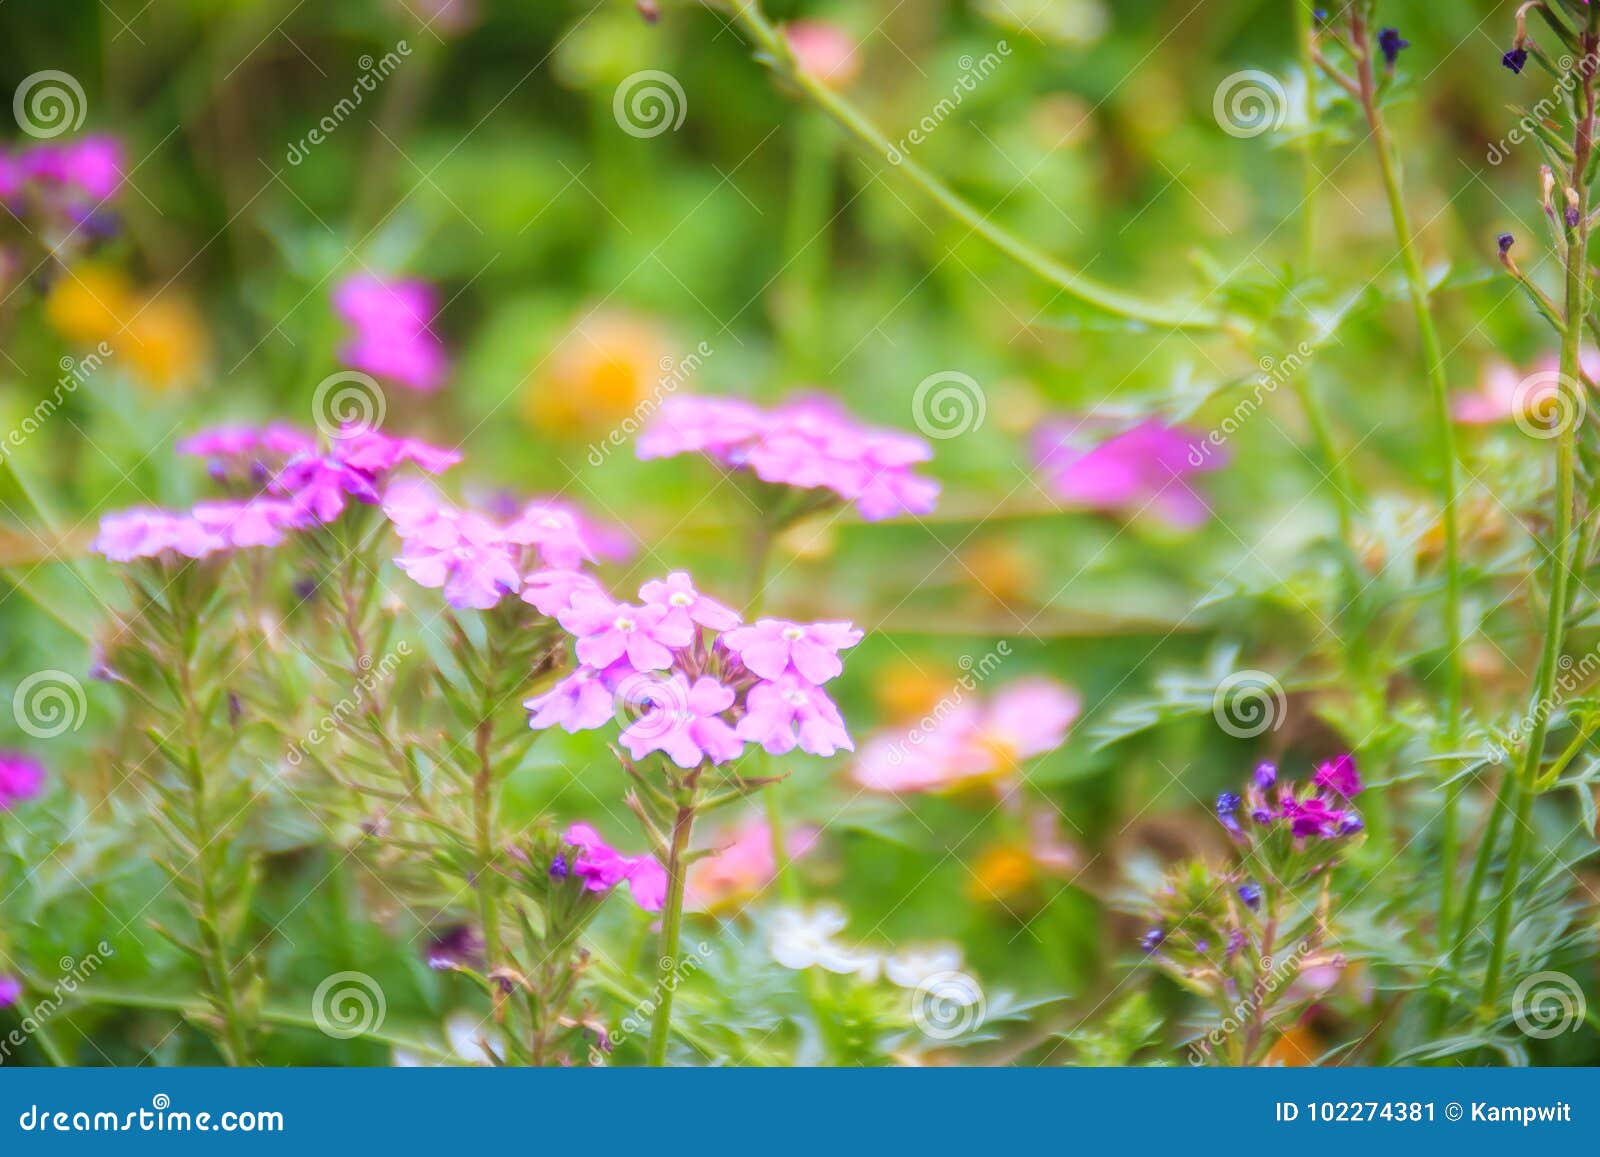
(606, 631)
(1145, 468)
(392, 338)
(21, 778)
(146, 533)
(320, 486)
(769, 647)
(582, 701)
(551, 591)
(810, 444)
(375, 453)
(465, 554)
(10, 991)
(684, 721)
(1339, 775)
(685, 607)
(562, 538)
(90, 167)
(246, 450)
(790, 713)
(1314, 817)
(249, 522)
(601, 868)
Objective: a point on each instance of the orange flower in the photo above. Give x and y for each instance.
(161, 337)
(605, 366)
(1002, 872)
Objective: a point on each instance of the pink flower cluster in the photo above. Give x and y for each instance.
(392, 337)
(809, 444)
(1146, 468)
(965, 741)
(81, 173)
(601, 867)
(293, 485)
(741, 866)
(1321, 808)
(697, 684)
(21, 778)
(477, 560)
(1508, 394)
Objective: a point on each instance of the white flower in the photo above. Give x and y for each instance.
(801, 940)
(912, 966)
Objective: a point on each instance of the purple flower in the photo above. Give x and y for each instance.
(246, 450)
(562, 538)
(393, 338)
(1313, 817)
(1152, 939)
(1390, 44)
(458, 947)
(463, 553)
(145, 533)
(601, 868)
(375, 453)
(89, 167)
(1145, 468)
(320, 486)
(606, 631)
(1516, 60)
(684, 606)
(580, 702)
(1266, 774)
(21, 778)
(551, 591)
(1227, 804)
(1250, 893)
(10, 991)
(1339, 776)
(558, 867)
(714, 426)
(249, 522)
(769, 647)
(790, 713)
(683, 721)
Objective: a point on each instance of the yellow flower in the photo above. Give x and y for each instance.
(1002, 872)
(86, 304)
(166, 342)
(906, 690)
(162, 338)
(605, 366)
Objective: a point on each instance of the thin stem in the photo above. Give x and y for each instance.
(671, 928)
(1305, 29)
(1577, 308)
(747, 15)
(483, 838)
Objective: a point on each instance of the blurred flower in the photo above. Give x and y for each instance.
(86, 304)
(10, 991)
(1001, 872)
(393, 336)
(580, 702)
(602, 370)
(162, 337)
(21, 778)
(790, 712)
(740, 867)
(801, 940)
(826, 51)
(1506, 394)
(601, 868)
(999, 567)
(905, 689)
(1144, 468)
(457, 947)
(811, 444)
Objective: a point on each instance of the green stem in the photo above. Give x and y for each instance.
(483, 839)
(1304, 30)
(747, 15)
(671, 928)
(1577, 308)
(806, 242)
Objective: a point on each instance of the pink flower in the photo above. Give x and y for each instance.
(1146, 467)
(1339, 775)
(1506, 394)
(551, 591)
(21, 778)
(393, 338)
(243, 449)
(582, 701)
(465, 554)
(1029, 717)
(685, 607)
(606, 631)
(89, 166)
(560, 535)
(10, 991)
(769, 647)
(1313, 817)
(810, 444)
(320, 485)
(684, 721)
(740, 867)
(375, 453)
(601, 868)
(249, 522)
(790, 713)
(825, 50)
(144, 533)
